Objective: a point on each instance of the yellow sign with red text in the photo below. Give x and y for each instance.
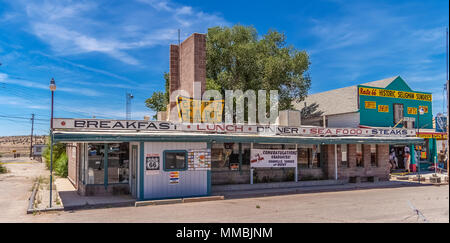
(383, 108)
(370, 104)
(436, 135)
(394, 94)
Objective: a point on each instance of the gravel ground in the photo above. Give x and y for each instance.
(15, 187)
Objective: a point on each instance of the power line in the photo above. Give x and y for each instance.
(25, 118)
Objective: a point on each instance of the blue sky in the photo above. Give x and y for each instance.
(98, 50)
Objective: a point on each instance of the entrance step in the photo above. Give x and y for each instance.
(275, 185)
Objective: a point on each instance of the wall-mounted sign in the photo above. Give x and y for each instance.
(435, 135)
(234, 166)
(394, 94)
(370, 104)
(262, 158)
(103, 124)
(412, 110)
(423, 155)
(411, 119)
(383, 108)
(424, 109)
(199, 159)
(190, 110)
(152, 164)
(174, 177)
(220, 128)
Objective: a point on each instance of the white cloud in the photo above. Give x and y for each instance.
(30, 84)
(72, 28)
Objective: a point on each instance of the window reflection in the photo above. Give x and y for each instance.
(96, 159)
(118, 163)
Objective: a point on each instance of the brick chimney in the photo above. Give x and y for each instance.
(188, 65)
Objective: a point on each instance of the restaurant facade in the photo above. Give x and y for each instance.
(175, 158)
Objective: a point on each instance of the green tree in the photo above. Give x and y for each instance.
(60, 162)
(237, 58)
(310, 111)
(159, 100)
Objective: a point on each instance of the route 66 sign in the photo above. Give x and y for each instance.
(152, 162)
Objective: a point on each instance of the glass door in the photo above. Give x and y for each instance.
(133, 171)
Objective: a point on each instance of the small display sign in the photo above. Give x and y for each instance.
(234, 166)
(370, 104)
(174, 177)
(383, 108)
(412, 111)
(152, 163)
(423, 155)
(423, 109)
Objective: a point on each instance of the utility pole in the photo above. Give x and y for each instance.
(128, 97)
(448, 114)
(31, 136)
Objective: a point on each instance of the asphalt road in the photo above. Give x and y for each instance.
(373, 205)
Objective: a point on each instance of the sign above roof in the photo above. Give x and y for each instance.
(394, 94)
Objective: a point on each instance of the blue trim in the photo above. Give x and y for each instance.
(219, 138)
(208, 174)
(208, 182)
(175, 151)
(141, 171)
(135, 167)
(105, 163)
(164, 198)
(240, 156)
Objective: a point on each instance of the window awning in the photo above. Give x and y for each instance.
(61, 136)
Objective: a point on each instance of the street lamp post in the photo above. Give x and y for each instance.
(420, 111)
(52, 88)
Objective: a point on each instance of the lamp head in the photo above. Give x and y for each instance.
(52, 85)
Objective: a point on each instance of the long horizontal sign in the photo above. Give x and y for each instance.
(394, 94)
(436, 135)
(154, 126)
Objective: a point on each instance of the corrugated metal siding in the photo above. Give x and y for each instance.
(72, 163)
(191, 183)
(344, 120)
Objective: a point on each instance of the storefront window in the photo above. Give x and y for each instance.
(81, 156)
(267, 146)
(303, 156)
(342, 149)
(359, 156)
(373, 155)
(175, 160)
(308, 156)
(246, 148)
(96, 164)
(219, 156)
(398, 112)
(118, 163)
(316, 156)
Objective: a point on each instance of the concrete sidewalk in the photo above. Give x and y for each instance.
(232, 194)
(71, 200)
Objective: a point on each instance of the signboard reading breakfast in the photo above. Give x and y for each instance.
(220, 128)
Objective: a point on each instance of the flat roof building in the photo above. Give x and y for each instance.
(171, 159)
